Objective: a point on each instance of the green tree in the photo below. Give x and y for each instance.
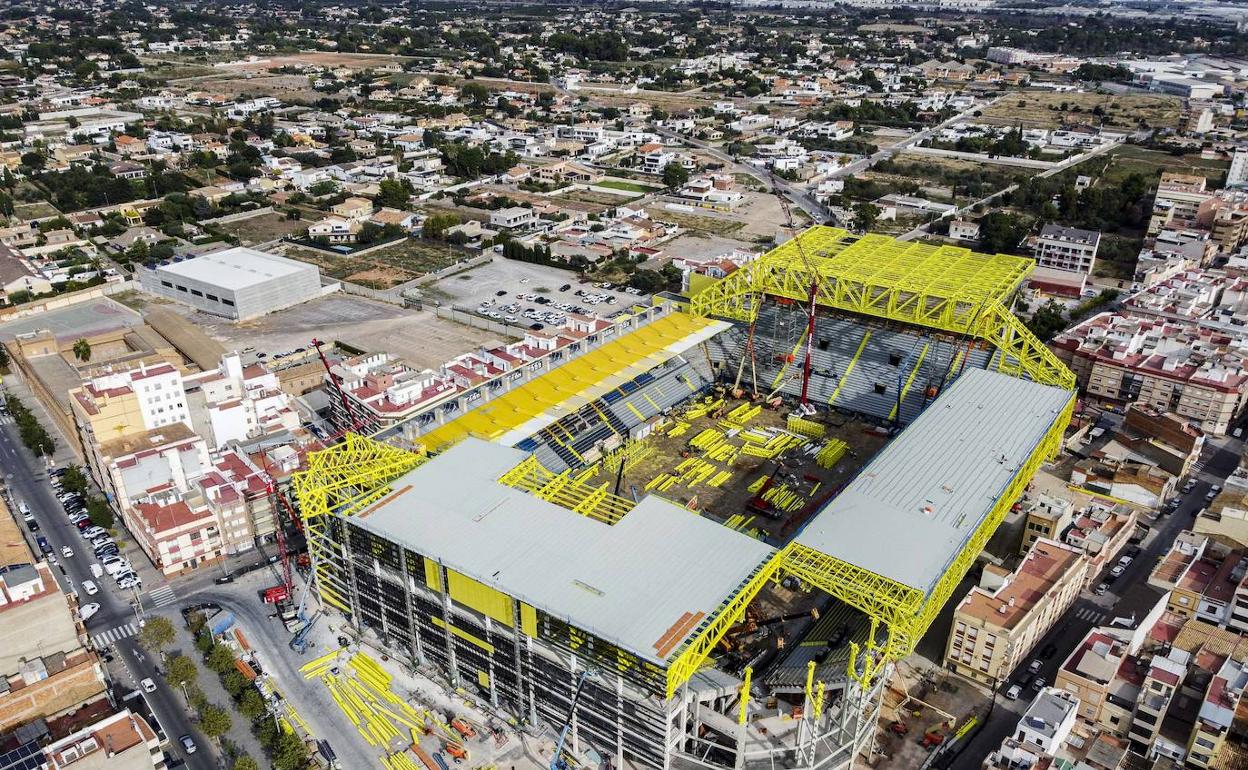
(289, 753)
(251, 704)
(181, 671)
(234, 682)
(82, 349)
(393, 194)
(1047, 321)
(195, 622)
(74, 480)
(220, 659)
(4, 357)
(214, 720)
(1001, 232)
(865, 216)
(157, 634)
(675, 175)
(476, 93)
(99, 511)
(245, 763)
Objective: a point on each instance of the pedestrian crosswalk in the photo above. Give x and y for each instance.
(102, 640)
(162, 596)
(1089, 615)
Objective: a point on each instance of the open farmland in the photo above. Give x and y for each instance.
(1044, 109)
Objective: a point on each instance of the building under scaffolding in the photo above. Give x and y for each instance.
(463, 549)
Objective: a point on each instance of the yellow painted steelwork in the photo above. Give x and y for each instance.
(947, 288)
(576, 380)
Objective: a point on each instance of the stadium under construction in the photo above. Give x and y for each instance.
(714, 531)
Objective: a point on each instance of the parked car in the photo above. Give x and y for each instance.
(1013, 692)
(87, 610)
(1039, 683)
(148, 685)
(187, 744)
(1034, 666)
(67, 552)
(90, 587)
(1117, 570)
(1101, 588)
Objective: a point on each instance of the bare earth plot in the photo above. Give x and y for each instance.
(264, 228)
(1042, 109)
(385, 268)
(419, 337)
(1130, 159)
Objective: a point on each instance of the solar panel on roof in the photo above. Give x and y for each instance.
(28, 756)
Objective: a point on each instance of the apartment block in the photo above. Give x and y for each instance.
(1067, 248)
(45, 671)
(1203, 576)
(1045, 516)
(1183, 368)
(1101, 532)
(999, 621)
(1177, 202)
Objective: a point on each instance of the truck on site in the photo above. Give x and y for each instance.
(457, 750)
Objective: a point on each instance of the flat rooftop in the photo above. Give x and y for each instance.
(916, 504)
(643, 584)
(236, 268)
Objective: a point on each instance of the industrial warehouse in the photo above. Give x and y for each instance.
(765, 494)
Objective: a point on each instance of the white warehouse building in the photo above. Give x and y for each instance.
(237, 283)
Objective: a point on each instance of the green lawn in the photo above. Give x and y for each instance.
(615, 184)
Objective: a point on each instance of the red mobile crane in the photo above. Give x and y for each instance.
(281, 593)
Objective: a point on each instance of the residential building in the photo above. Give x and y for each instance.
(1237, 174)
(120, 741)
(1201, 575)
(999, 621)
(1067, 248)
(1177, 201)
(335, 230)
(45, 670)
(1191, 371)
(964, 230)
(1041, 734)
(1044, 516)
(353, 209)
(513, 217)
(1102, 533)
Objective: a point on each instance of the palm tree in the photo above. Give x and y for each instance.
(82, 349)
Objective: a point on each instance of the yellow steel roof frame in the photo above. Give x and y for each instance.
(946, 288)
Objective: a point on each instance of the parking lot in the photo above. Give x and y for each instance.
(528, 294)
(417, 336)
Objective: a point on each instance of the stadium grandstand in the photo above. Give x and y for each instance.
(768, 488)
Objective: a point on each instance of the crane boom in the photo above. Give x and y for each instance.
(557, 762)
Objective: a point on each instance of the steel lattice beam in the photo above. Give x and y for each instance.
(341, 480)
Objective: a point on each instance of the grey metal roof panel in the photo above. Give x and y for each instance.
(915, 505)
(628, 584)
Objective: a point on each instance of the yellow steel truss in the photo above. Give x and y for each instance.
(905, 612)
(343, 479)
(567, 490)
(948, 288)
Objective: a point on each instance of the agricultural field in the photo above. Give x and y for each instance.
(264, 228)
(1044, 109)
(385, 268)
(620, 184)
(1130, 159)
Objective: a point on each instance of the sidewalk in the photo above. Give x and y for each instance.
(64, 453)
(240, 730)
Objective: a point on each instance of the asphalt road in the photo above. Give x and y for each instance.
(27, 479)
(1129, 594)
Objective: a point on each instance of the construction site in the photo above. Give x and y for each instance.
(705, 541)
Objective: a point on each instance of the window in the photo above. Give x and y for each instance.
(167, 284)
(229, 302)
(196, 293)
(214, 297)
(181, 288)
